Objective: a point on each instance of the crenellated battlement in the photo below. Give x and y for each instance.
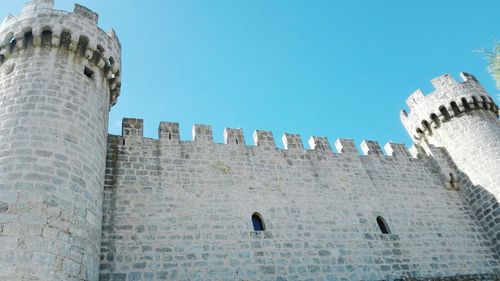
(40, 26)
(168, 134)
(449, 99)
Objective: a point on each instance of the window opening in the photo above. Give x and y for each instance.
(258, 224)
(65, 40)
(28, 39)
(89, 73)
(383, 225)
(12, 43)
(81, 47)
(46, 38)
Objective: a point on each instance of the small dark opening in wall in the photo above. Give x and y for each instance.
(485, 102)
(123, 142)
(454, 106)
(258, 224)
(466, 104)
(89, 73)
(382, 225)
(28, 39)
(169, 136)
(444, 112)
(81, 47)
(435, 120)
(236, 141)
(476, 103)
(46, 39)
(12, 43)
(426, 125)
(65, 40)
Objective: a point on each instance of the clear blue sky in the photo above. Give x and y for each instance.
(332, 68)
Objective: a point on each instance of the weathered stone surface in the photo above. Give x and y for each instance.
(79, 204)
(55, 94)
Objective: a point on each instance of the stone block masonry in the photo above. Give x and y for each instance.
(78, 204)
(59, 74)
(181, 210)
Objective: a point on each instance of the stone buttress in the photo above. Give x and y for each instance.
(463, 119)
(59, 75)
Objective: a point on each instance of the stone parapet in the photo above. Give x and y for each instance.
(449, 99)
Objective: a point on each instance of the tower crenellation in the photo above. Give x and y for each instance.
(169, 134)
(449, 99)
(41, 26)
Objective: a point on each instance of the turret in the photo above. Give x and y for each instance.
(59, 76)
(462, 118)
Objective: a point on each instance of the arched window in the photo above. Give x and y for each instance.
(46, 38)
(28, 39)
(65, 39)
(258, 224)
(383, 225)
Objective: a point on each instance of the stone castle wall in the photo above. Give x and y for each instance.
(181, 210)
(73, 198)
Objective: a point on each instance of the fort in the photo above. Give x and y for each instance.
(77, 203)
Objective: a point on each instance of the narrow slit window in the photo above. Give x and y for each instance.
(258, 224)
(383, 225)
(89, 73)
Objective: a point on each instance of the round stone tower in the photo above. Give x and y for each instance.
(462, 118)
(59, 76)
